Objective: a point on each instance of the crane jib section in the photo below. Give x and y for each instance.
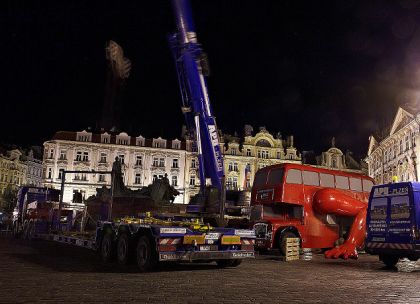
(190, 66)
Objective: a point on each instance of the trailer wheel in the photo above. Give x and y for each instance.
(389, 260)
(236, 263)
(123, 249)
(224, 263)
(107, 248)
(145, 255)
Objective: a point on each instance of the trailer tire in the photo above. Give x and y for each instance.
(224, 263)
(236, 263)
(107, 248)
(123, 249)
(389, 260)
(146, 256)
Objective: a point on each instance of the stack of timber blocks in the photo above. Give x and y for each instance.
(292, 249)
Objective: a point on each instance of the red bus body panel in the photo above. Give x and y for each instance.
(314, 229)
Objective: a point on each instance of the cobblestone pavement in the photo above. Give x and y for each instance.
(48, 272)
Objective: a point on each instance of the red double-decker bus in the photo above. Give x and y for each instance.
(283, 204)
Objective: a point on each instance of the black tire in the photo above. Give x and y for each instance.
(390, 260)
(236, 263)
(146, 256)
(107, 248)
(224, 263)
(123, 249)
(282, 241)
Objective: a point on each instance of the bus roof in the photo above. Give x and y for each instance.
(315, 169)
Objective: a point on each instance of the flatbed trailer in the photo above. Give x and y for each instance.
(147, 241)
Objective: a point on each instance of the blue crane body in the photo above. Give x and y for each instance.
(190, 64)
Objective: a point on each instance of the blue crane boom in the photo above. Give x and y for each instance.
(191, 68)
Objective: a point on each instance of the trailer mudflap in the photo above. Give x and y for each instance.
(205, 255)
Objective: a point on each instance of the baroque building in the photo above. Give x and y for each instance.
(396, 154)
(142, 160)
(18, 169)
(244, 156)
(146, 159)
(335, 159)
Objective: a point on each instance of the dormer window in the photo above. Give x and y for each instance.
(84, 136)
(123, 139)
(105, 138)
(159, 143)
(140, 141)
(176, 144)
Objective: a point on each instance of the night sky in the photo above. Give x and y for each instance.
(315, 69)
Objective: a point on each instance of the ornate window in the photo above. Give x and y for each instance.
(137, 178)
(121, 158)
(103, 157)
(263, 143)
(174, 180)
(78, 156)
(85, 156)
(175, 163)
(63, 154)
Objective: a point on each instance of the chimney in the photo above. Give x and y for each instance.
(291, 141)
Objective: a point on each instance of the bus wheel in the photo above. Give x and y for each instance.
(283, 241)
(107, 248)
(389, 260)
(123, 249)
(145, 255)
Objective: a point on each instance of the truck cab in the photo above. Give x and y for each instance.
(393, 222)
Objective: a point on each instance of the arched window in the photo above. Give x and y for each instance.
(263, 143)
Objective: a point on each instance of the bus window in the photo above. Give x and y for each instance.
(327, 180)
(355, 184)
(260, 178)
(310, 178)
(286, 210)
(367, 185)
(342, 182)
(276, 176)
(294, 176)
(400, 207)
